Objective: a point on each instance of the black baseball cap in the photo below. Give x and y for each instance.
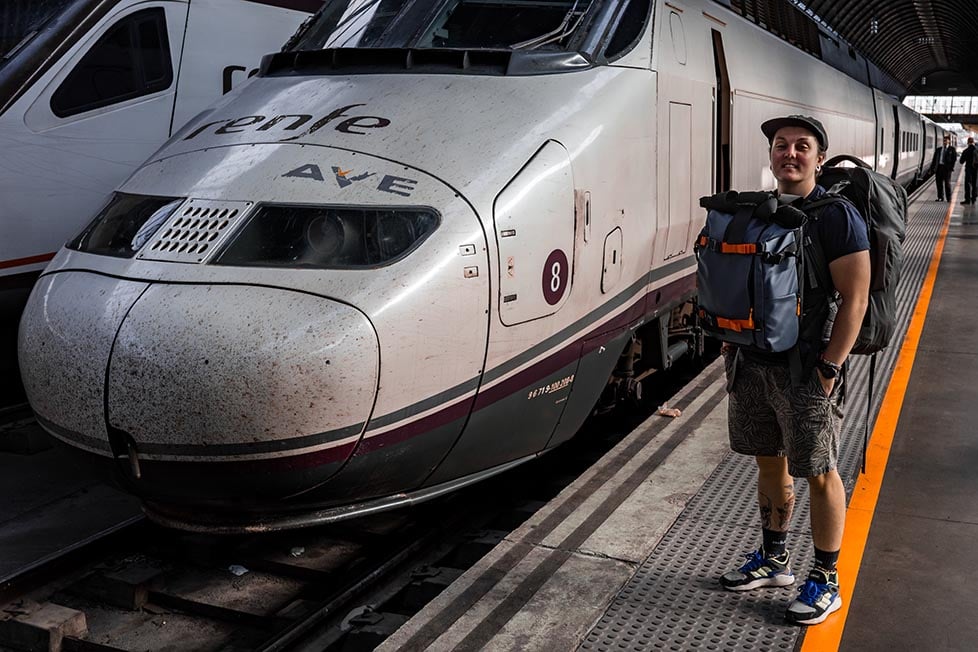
(770, 127)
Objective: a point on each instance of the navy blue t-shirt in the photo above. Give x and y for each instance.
(841, 230)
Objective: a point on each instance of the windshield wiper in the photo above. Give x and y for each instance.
(24, 41)
(564, 29)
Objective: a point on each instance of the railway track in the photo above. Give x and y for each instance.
(342, 587)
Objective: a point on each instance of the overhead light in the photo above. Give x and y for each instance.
(874, 25)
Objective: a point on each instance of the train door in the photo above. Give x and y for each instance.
(686, 88)
(921, 148)
(722, 103)
(898, 148)
(930, 145)
(886, 150)
(679, 145)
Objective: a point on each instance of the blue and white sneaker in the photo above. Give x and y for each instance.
(817, 598)
(759, 571)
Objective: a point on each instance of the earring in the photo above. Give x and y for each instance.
(818, 168)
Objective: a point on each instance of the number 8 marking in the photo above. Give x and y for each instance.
(555, 277)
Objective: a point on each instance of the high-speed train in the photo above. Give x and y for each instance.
(416, 250)
(90, 88)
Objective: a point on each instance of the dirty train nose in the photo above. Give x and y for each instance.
(193, 376)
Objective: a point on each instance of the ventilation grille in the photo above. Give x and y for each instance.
(195, 231)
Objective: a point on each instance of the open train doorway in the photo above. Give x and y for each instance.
(722, 103)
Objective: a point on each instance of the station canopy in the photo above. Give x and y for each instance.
(929, 47)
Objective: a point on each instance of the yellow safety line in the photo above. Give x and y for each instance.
(862, 505)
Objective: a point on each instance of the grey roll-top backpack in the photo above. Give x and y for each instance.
(750, 270)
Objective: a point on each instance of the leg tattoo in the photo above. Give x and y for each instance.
(783, 511)
(765, 505)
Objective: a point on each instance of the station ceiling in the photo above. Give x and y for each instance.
(928, 46)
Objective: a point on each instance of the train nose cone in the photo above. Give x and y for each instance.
(229, 374)
(64, 344)
(221, 392)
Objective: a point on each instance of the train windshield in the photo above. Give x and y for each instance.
(468, 24)
(22, 20)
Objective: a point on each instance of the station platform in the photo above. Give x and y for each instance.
(628, 557)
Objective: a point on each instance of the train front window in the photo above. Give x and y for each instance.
(468, 24)
(512, 24)
(21, 20)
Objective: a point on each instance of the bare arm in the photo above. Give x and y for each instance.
(850, 275)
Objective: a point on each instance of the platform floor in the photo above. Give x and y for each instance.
(915, 586)
(628, 557)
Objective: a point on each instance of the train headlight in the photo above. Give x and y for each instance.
(125, 225)
(328, 237)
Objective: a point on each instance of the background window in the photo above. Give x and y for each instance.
(132, 59)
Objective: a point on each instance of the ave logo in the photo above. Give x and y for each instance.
(344, 178)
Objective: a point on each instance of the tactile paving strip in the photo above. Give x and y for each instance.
(674, 602)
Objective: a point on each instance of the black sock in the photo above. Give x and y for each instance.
(774, 542)
(826, 560)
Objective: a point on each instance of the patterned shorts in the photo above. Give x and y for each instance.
(767, 416)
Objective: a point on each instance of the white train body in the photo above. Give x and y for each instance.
(231, 393)
(72, 128)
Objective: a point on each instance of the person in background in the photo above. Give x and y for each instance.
(942, 166)
(970, 159)
(792, 428)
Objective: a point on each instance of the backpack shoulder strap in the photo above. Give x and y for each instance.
(816, 267)
(825, 200)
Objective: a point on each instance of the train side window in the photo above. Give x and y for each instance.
(131, 59)
(631, 25)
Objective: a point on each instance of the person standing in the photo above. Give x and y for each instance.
(792, 428)
(943, 165)
(970, 159)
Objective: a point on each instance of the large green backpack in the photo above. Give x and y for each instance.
(882, 203)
